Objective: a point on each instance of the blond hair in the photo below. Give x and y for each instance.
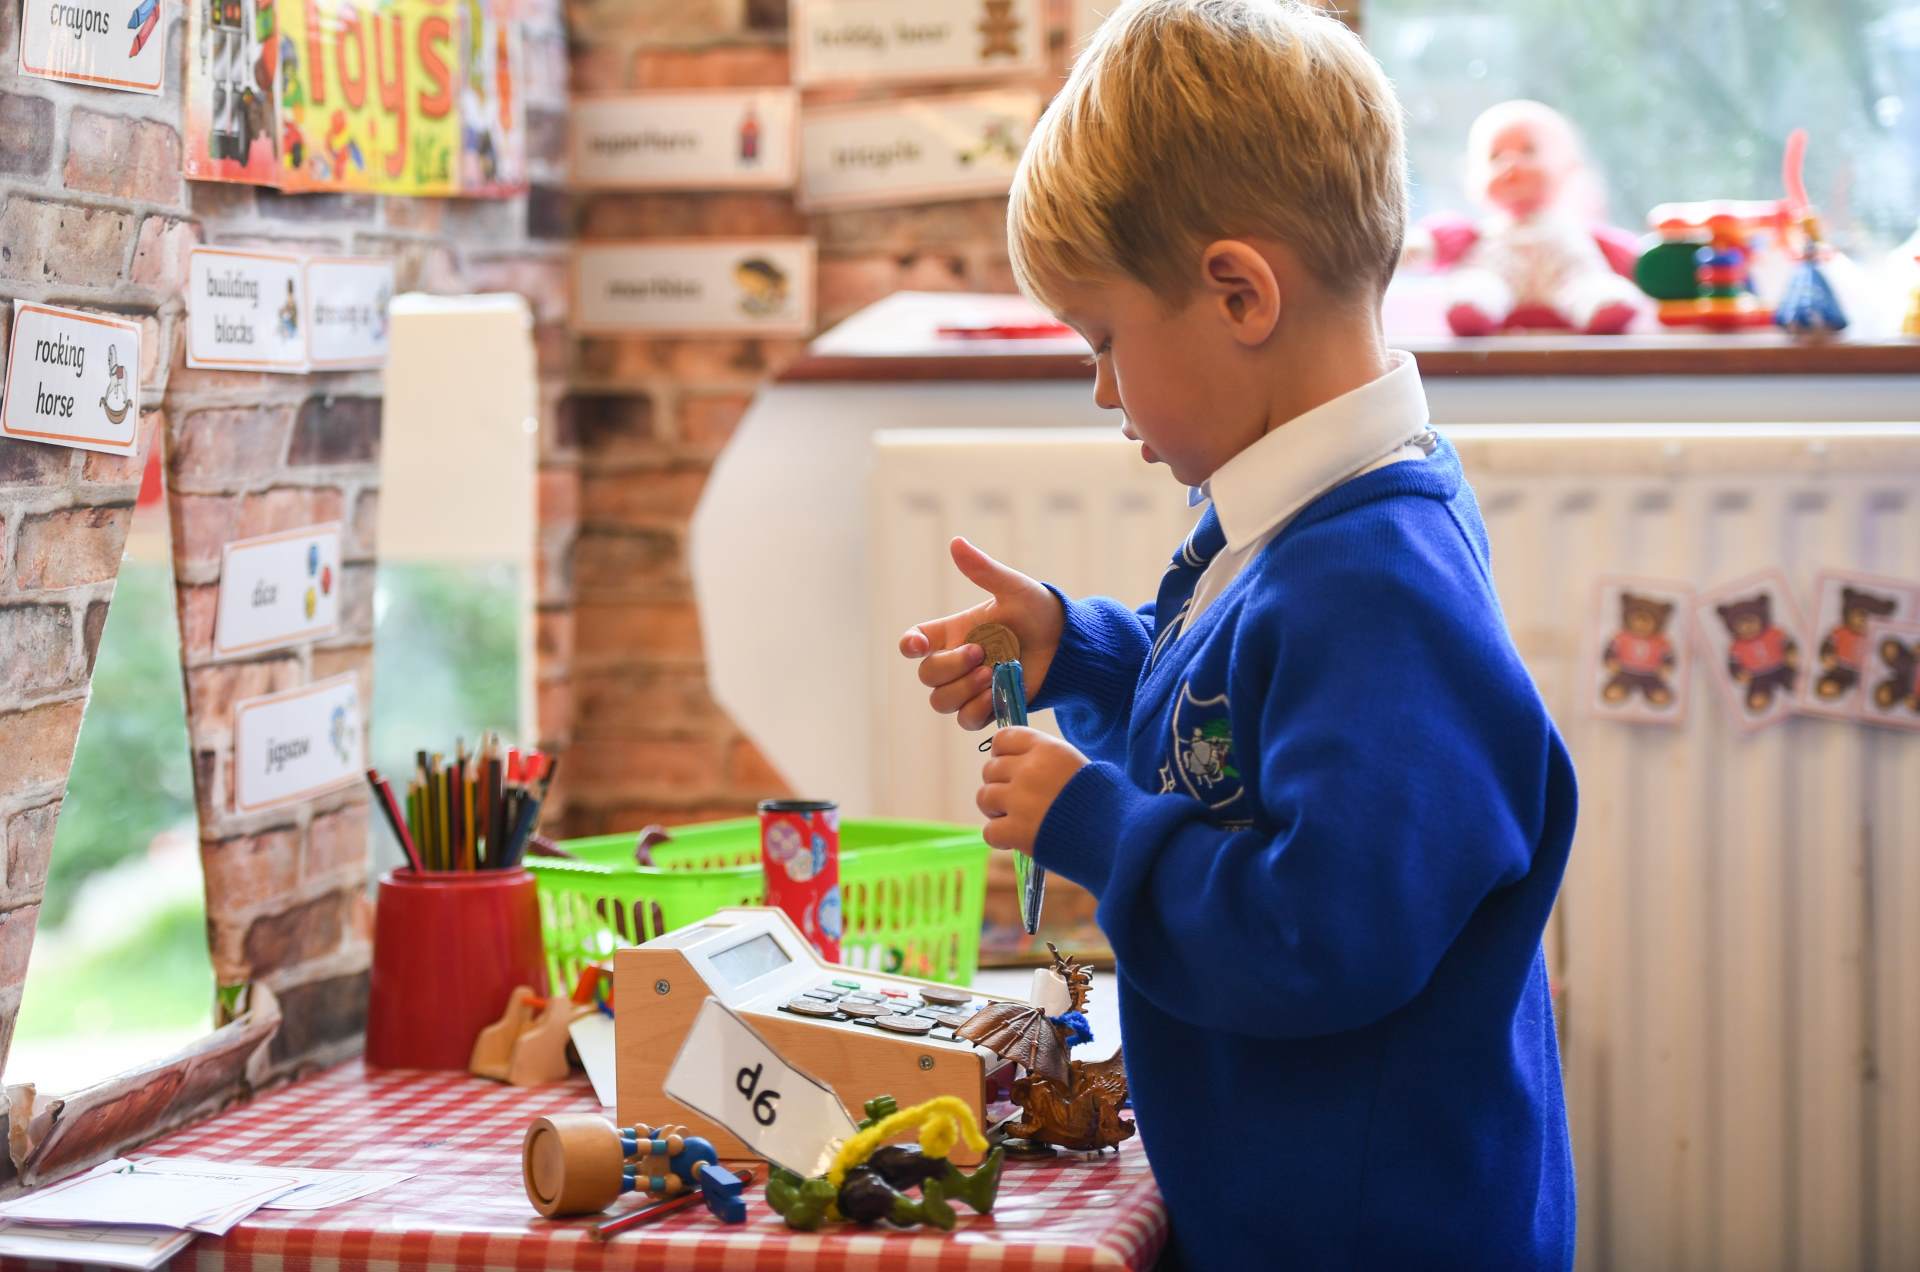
(1186, 121)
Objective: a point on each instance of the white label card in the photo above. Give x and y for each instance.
(866, 41)
(246, 310)
(347, 300)
(727, 1072)
(695, 286)
(279, 589)
(691, 140)
(292, 746)
(106, 43)
(73, 379)
(914, 149)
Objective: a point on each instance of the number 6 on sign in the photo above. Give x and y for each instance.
(727, 1072)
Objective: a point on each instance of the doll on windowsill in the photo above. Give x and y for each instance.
(1539, 259)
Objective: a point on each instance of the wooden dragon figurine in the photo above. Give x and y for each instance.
(1069, 1103)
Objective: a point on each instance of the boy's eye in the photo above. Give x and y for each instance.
(1105, 346)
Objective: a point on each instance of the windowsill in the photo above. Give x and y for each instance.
(895, 341)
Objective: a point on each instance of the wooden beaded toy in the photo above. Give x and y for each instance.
(578, 1164)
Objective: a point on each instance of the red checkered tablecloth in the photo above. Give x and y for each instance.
(466, 1208)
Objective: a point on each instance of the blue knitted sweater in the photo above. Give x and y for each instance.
(1325, 830)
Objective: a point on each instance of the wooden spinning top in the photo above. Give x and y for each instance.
(573, 1164)
(999, 643)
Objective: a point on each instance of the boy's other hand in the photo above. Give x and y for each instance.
(956, 672)
(1026, 773)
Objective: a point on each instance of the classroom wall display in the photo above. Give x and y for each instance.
(291, 746)
(278, 589)
(1638, 656)
(119, 44)
(388, 96)
(1890, 688)
(1752, 638)
(874, 41)
(347, 320)
(1845, 605)
(692, 139)
(73, 379)
(913, 150)
(246, 310)
(695, 286)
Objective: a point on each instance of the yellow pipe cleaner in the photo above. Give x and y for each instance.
(943, 1122)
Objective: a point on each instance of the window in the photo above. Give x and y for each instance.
(1678, 99)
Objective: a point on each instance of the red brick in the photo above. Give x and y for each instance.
(627, 816)
(707, 420)
(423, 216)
(336, 430)
(642, 497)
(24, 463)
(160, 259)
(153, 344)
(212, 691)
(125, 470)
(611, 424)
(36, 647)
(725, 66)
(313, 929)
(846, 285)
(202, 525)
(627, 215)
(541, 280)
(319, 1014)
(125, 158)
(16, 943)
(338, 841)
(553, 636)
(249, 872)
(675, 768)
(650, 700)
(705, 362)
(363, 532)
(199, 610)
(71, 547)
(631, 631)
(356, 602)
(357, 659)
(558, 496)
(38, 742)
(26, 133)
(62, 244)
(228, 446)
(553, 551)
(612, 561)
(29, 848)
(288, 508)
(751, 774)
(553, 709)
(903, 231)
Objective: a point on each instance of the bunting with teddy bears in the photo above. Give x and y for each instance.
(1854, 655)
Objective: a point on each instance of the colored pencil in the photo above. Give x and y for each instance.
(390, 809)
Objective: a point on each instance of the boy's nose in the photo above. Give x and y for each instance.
(1106, 394)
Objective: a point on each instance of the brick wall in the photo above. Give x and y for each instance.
(652, 414)
(94, 214)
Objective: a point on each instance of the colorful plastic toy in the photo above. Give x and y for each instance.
(578, 1164)
(869, 1179)
(1808, 306)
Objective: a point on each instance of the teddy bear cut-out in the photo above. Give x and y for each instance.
(1844, 651)
(1902, 683)
(1763, 658)
(1640, 656)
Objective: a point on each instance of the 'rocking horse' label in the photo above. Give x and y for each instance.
(73, 379)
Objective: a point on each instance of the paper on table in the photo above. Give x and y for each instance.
(209, 1199)
(97, 1245)
(318, 1188)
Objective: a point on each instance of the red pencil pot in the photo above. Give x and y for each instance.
(800, 852)
(448, 949)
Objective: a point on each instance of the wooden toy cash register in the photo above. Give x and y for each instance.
(863, 1033)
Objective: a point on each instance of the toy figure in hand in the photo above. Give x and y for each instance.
(1763, 657)
(1845, 649)
(1538, 260)
(1640, 656)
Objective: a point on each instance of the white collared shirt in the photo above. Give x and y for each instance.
(1260, 490)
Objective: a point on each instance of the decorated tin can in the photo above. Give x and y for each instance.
(800, 853)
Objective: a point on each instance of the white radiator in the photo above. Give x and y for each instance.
(1738, 941)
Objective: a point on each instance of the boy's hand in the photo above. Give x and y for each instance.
(956, 672)
(1018, 785)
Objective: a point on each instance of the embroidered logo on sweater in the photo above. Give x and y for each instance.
(1202, 762)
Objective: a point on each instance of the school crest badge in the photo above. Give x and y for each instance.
(1202, 762)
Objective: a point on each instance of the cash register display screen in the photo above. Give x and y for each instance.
(741, 963)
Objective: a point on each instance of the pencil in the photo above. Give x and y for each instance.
(390, 809)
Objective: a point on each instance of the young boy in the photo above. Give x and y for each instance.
(1318, 799)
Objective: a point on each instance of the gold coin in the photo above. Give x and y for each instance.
(1000, 644)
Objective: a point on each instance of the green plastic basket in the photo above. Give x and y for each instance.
(912, 893)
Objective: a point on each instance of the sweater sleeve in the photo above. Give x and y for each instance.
(1090, 683)
(1404, 775)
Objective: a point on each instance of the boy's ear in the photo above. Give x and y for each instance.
(1243, 288)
